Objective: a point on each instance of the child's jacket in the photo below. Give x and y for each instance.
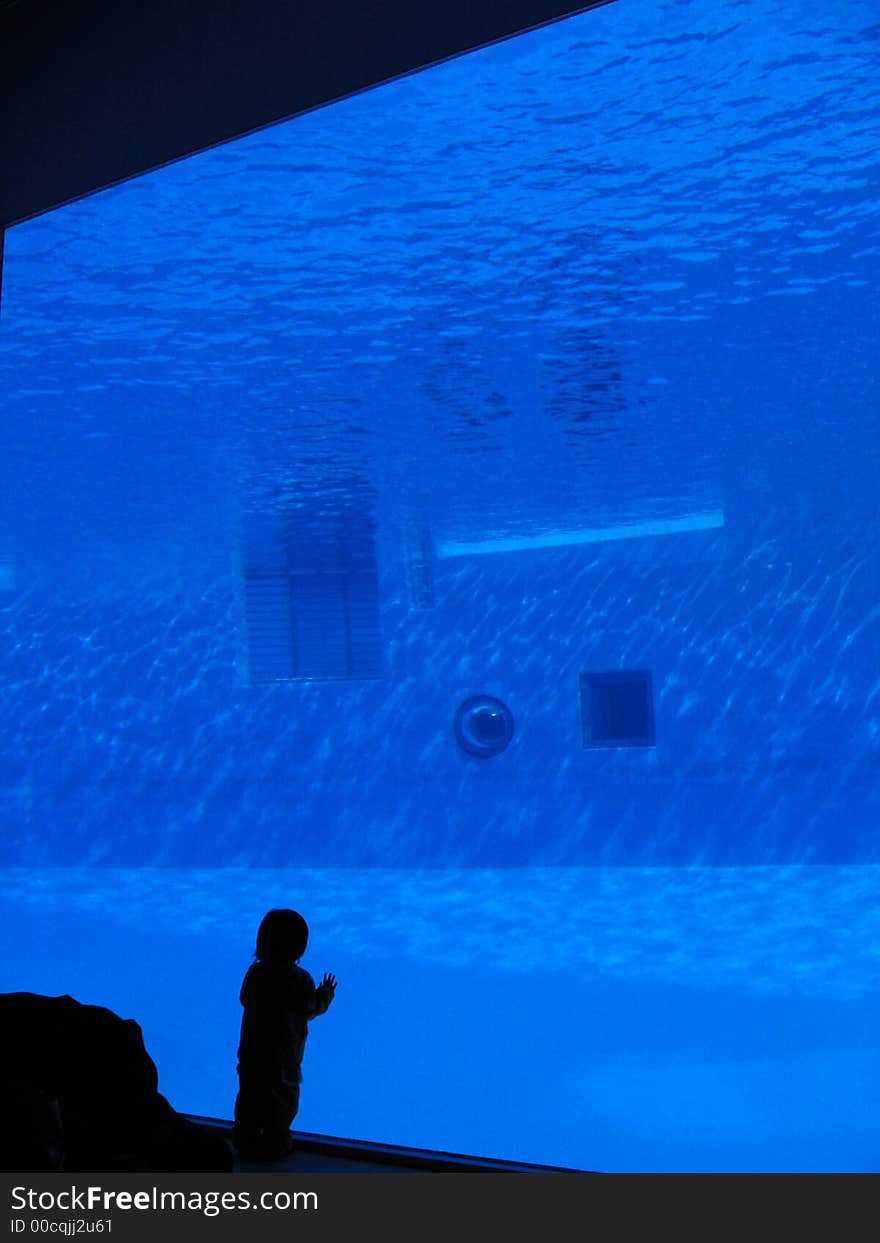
(278, 1000)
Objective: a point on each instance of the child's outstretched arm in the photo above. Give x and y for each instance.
(324, 994)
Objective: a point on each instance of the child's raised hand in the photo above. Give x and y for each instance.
(328, 983)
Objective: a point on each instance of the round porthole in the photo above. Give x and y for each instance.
(483, 726)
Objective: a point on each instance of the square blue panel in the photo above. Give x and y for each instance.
(617, 709)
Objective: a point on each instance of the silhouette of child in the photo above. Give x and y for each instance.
(279, 999)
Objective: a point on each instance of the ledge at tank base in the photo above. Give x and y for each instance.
(327, 1154)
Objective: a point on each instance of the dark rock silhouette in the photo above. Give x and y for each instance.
(79, 1092)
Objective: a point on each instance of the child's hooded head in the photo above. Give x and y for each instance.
(282, 937)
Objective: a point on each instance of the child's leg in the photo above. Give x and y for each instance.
(263, 1114)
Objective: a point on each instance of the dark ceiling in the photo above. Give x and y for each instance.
(99, 90)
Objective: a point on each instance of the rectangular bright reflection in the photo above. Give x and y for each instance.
(589, 535)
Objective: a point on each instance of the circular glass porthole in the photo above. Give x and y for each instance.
(483, 726)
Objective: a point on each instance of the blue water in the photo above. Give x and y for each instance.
(594, 309)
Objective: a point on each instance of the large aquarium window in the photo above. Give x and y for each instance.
(545, 378)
